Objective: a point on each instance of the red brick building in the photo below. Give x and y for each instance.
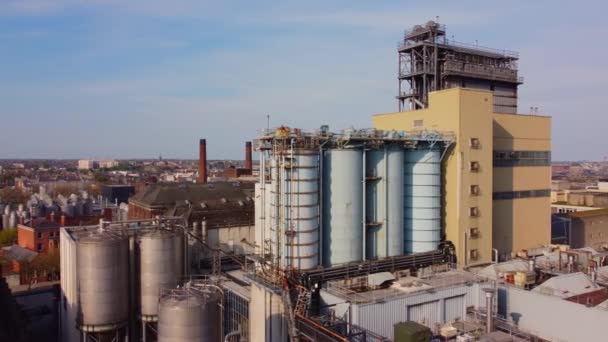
(39, 236)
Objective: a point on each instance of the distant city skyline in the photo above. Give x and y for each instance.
(134, 79)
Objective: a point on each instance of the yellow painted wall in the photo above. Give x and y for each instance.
(521, 223)
(467, 113)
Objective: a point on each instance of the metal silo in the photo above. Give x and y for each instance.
(187, 315)
(384, 201)
(157, 268)
(343, 219)
(422, 200)
(103, 288)
(295, 182)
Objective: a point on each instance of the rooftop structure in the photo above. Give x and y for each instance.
(428, 62)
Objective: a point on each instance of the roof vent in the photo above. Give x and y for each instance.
(224, 200)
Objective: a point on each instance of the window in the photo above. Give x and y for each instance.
(39, 235)
(39, 247)
(473, 211)
(418, 123)
(473, 254)
(522, 158)
(491, 87)
(509, 195)
(474, 191)
(474, 167)
(474, 232)
(474, 143)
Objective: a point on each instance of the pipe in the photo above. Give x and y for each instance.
(466, 256)
(495, 252)
(489, 309)
(363, 191)
(232, 333)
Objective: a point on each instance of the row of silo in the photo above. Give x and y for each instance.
(380, 202)
(346, 198)
(120, 275)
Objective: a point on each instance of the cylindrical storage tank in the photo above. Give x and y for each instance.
(422, 200)
(384, 202)
(157, 268)
(297, 183)
(342, 206)
(103, 288)
(189, 316)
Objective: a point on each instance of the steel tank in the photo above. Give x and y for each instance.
(103, 288)
(296, 202)
(342, 206)
(189, 315)
(384, 202)
(157, 268)
(422, 200)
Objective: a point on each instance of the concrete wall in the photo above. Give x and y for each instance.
(552, 318)
(266, 323)
(230, 239)
(591, 231)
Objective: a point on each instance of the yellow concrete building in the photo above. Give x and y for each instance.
(496, 179)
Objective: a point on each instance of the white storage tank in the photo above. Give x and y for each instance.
(157, 268)
(343, 219)
(422, 200)
(103, 273)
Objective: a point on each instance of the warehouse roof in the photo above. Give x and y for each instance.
(167, 194)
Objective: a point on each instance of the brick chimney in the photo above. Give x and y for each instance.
(248, 163)
(202, 161)
(52, 216)
(62, 220)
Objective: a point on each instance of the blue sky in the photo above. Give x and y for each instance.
(139, 78)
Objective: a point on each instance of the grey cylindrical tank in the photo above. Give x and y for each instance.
(422, 200)
(296, 179)
(103, 289)
(189, 316)
(157, 268)
(384, 202)
(342, 206)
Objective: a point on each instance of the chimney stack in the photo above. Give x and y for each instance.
(489, 309)
(248, 163)
(62, 220)
(202, 161)
(53, 216)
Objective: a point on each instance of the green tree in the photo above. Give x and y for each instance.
(8, 237)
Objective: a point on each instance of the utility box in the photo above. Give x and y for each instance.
(411, 332)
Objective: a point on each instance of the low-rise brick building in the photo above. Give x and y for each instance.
(40, 235)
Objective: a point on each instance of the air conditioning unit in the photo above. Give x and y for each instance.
(473, 211)
(473, 254)
(474, 232)
(474, 167)
(474, 190)
(474, 143)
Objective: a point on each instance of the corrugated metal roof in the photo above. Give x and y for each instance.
(567, 285)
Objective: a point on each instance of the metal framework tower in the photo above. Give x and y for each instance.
(428, 61)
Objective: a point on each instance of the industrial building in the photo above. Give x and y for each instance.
(131, 281)
(497, 177)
